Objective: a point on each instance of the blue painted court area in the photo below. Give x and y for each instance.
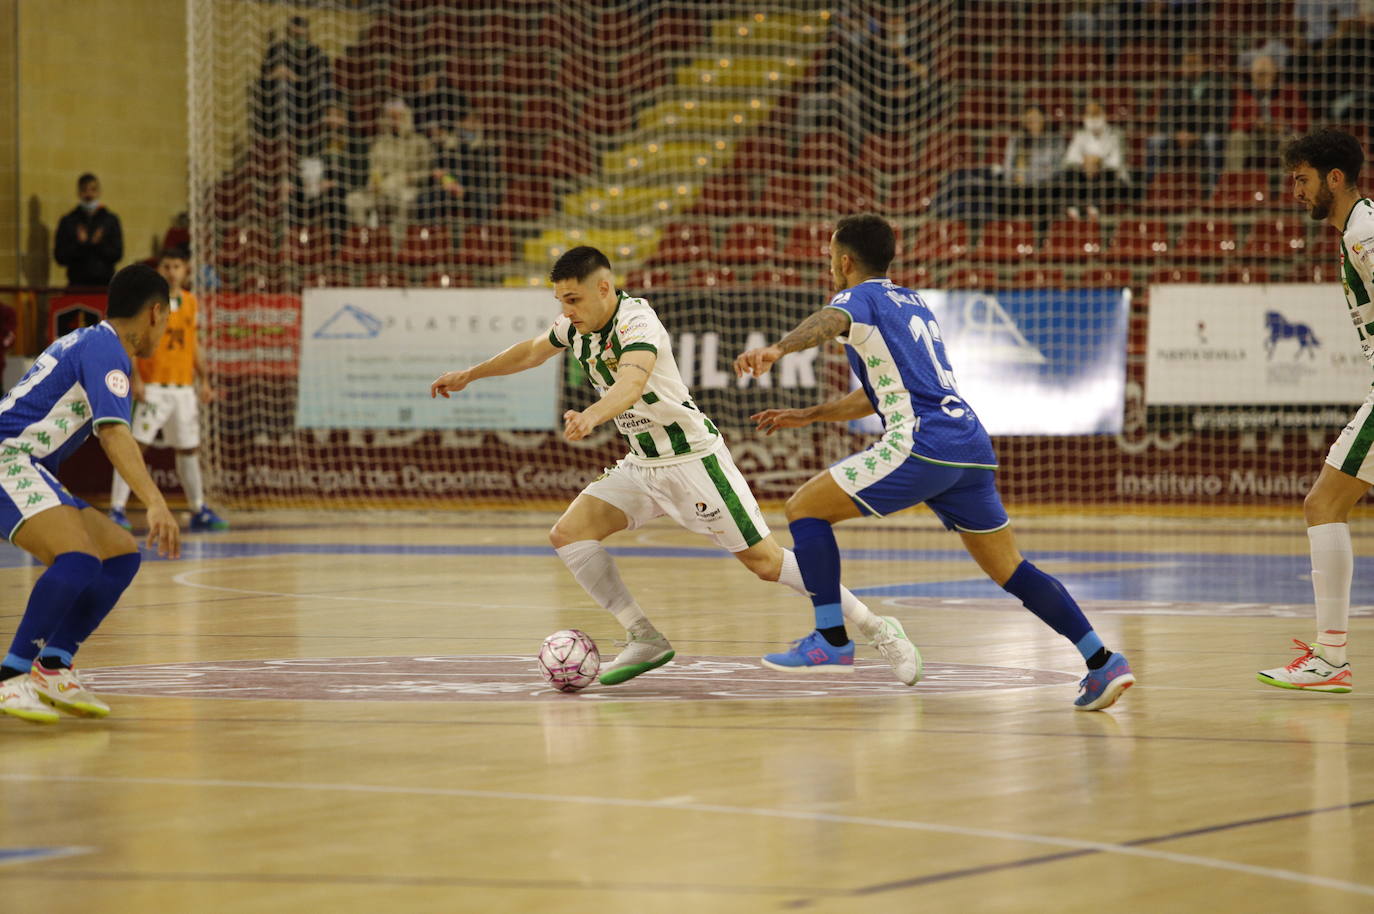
(1156, 576)
(13, 855)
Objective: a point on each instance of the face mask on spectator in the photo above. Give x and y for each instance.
(90, 206)
(1095, 125)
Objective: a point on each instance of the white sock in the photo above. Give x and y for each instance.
(188, 469)
(119, 492)
(855, 612)
(1333, 565)
(592, 566)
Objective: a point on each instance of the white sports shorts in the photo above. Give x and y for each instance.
(175, 411)
(1352, 454)
(706, 496)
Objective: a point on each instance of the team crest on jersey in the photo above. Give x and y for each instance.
(118, 383)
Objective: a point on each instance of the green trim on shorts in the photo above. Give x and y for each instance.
(947, 463)
(732, 502)
(1359, 450)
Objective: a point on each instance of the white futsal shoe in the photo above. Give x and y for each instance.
(1310, 672)
(64, 690)
(896, 648)
(18, 699)
(639, 656)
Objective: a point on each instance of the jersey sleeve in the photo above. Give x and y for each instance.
(641, 331)
(857, 306)
(562, 332)
(1359, 244)
(105, 377)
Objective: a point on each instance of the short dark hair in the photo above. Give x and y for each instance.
(133, 289)
(578, 263)
(1326, 148)
(85, 179)
(177, 253)
(869, 239)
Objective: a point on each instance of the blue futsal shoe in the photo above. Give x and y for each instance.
(1103, 686)
(813, 654)
(119, 517)
(205, 519)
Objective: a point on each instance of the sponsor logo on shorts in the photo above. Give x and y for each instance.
(705, 512)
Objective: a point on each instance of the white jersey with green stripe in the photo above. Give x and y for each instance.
(664, 426)
(1357, 272)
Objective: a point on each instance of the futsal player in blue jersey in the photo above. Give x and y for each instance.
(80, 383)
(933, 450)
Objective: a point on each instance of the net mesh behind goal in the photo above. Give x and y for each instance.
(1089, 192)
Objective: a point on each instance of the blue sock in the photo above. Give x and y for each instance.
(818, 557)
(56, 592)
(1047, 598)
(116, 574)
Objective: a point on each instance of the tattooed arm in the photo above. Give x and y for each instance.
(825, 324)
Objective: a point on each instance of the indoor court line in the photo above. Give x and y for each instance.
(1130, 849)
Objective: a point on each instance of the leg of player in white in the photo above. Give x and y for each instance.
(1322, 665)
(175, 412)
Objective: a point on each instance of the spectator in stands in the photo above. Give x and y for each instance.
(1095, 173)
(1176, 20)
(1192, 123)
(398, 164)
(294, 90)
(1320, 19)
(89, 240)
(1262, 113)
(1347, 68)
(460, 179)
(316, 192)
(9, 326)
(1028, 178)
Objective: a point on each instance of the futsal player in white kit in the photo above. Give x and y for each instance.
(677, 463)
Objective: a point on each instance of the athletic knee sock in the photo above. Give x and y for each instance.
(592, 567)
(1047, 598)
(55, 594)
(1333, 565)
(818, 557)
(116, 574)
(119, 492)
(188, 471)
(854, 609)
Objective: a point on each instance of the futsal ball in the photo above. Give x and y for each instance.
(569, 660)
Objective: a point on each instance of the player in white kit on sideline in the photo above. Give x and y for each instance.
(677, 464)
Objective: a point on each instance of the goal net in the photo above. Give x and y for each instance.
(1088, 194)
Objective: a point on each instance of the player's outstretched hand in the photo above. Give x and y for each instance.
(756, 362)
(164, 534)
(770, 420)
(450, 382)
(575, 426)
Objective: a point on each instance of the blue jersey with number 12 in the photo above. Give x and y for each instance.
(895, 349)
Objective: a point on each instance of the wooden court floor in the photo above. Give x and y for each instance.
(339, 712)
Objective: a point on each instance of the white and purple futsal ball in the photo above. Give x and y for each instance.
(569, 660)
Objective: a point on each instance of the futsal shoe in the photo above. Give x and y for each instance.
(1103, 686)
(64, 690)
(638, 657)
(18, 699)
(813, 654)
(119, 517)
(1311, 672)
(205, 520)
(896, 648)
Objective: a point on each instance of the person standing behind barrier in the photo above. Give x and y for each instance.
(90, 240)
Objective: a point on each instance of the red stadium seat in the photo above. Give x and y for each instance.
(1078, 63)
(725, 195)
(709, 279)
(849, 192)
(913, 277)
(366, 246)
(485, 246)
(306, 245)
(983, 109)
(747, 243)
(973, 278)
(1056, 102)
(808, 244)
(1173, 192)
(1107, 278)
(448, 279)
(528, 199)
(787, 196)
(939, 241)
(822, 153)
(384, 279)
(1242, 190)
(684, 242)
(782, 278)
(1244, 275)
(425, 246)
(1073, 240)
(242, 245)
(1175, 275)
(910, 194)
(1039, 278)
(1010, 241)
(1207, 239)
(648, 280)
(1277, 239)
(1140, 241)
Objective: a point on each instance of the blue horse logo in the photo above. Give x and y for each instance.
(1281, 329)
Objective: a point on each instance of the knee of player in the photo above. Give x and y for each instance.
(559, 536)
(796, 508)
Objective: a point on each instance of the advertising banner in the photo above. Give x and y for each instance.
(368, 356)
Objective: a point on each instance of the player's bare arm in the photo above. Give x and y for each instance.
(520, 357)
(825, 324)
(633, 376)
(164, 533)
(204, 391)
(853, 405)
